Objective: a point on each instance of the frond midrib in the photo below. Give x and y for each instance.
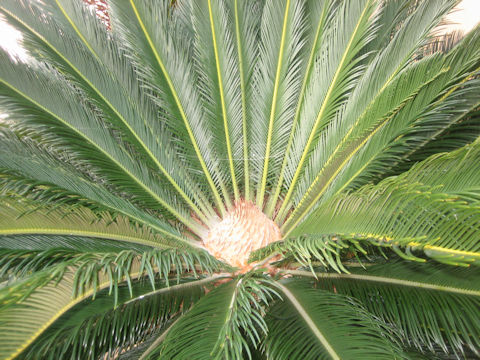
(308, 320)
(180, 108)
(124, 121)
(384, 280)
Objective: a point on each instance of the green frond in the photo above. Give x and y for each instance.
(122, 102)
(340, 142)
(107, 83)
(217, 64)
(428, 305)
(85, 244)
(346, 132)
(28, 172)
(26, 218)
(315, 324)
(436, 110)
(433, 208)
(336, 72)
(329, 251)
(276, 82)
(46, 98)
(463, 132)
(247, 27)
(218, 325)
(168, 74)
(115, 268)
(95, 328)
(52, 292)
(321, 13)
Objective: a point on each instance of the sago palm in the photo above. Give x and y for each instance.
(236, 179)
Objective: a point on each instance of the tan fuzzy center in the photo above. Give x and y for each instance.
(243, 230)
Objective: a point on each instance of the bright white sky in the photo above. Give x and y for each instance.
(464, 19)
(467, 16)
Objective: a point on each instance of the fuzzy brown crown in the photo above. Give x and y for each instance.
(244, 229)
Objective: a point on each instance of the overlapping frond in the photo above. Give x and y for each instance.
(434, 208)
(84, 332)
(50, 100)
(126, 144)
(435, 111)
(408, 296)
(20, 218)
(52, 292)
(219, 81)
(37, 175)
(320, 15)
(315, 324)
(337, 67)
(276, 83)
(108, 81)
(168, 75)
(220, 324)
(341, 142)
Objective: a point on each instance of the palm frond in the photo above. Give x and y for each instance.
(329, 251)
(247, 27)
(315, 324)
(434, 115)
(46, 242)
(96, 328)
(433, 208)
(276, 85)
(115, 268)
(336, 72)
(168, 74)
(41, 177)
(218, 325)
(217, 64)
(120, 95)
(26, 218)
(321, 13)
(48, 99)
(327, 162)
(52, 292)
(394, 97)
(428, 305)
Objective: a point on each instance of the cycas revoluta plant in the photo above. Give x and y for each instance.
(236, 179)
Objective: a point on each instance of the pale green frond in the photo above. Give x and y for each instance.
(95, 328)
(116, 267)
(336, 72)
(438, 118)
(436, 112)
(394, 97)
(219, 324)
(315, 324)
(459, 134)
(41, 177)
(46, 242)
(320, 14)
(428, 305)
(168, 74)
(247, 26)
(49, 99)
(433, 208)
(48, 304)
(217, 64)
(326, 162)
(20, 218)
(275, 84)
(152, 139)
(329, 251)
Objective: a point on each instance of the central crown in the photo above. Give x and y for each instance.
(243, 229)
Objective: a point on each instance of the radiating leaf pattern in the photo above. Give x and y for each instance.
(343, 133)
